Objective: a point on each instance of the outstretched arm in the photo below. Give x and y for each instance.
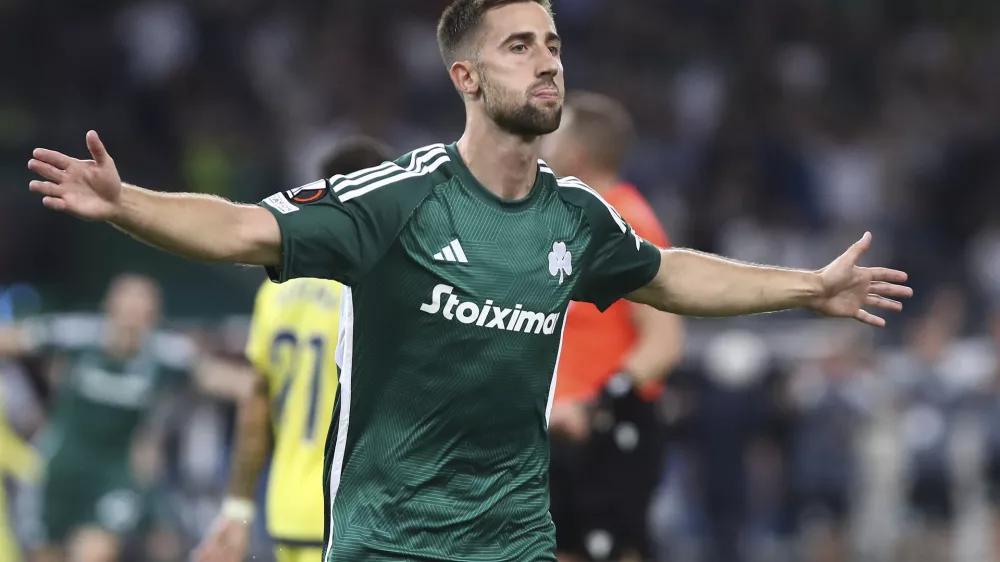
(201, 227)
(696, 284)
(225, 379)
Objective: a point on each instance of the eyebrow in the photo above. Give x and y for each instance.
(529, 37)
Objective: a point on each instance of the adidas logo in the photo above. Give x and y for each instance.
(452, 252)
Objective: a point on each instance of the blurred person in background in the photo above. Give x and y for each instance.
(733, 405)
(934, 395)
(829, 403)
(112, 368)
(292, 344)
(992, 425)
(607, 443)
(18, 460)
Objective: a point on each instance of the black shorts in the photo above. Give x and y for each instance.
(601, 489)
(930, 497)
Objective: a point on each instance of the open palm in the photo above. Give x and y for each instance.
(89, 189)
(847, 287)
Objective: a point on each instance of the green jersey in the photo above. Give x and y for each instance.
(451, 326)
(101, 400)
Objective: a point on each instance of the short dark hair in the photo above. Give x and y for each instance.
(602, 125)
(353, 154)
(462, 18)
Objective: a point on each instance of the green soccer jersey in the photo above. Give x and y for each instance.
(102, 400)
(450, 333)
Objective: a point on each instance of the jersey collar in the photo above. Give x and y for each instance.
(490, 198)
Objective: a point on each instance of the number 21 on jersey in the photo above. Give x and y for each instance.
(303, 359)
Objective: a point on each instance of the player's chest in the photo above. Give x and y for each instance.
(103, 381)
(531, 257)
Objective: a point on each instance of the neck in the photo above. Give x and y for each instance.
(505, 164)
(599, 180)
(120, 345)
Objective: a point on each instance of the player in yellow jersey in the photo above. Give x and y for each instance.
(292, 344)
(19, 460)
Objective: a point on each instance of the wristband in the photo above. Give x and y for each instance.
(239, 509)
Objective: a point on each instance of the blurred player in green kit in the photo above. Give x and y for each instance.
(109, 372)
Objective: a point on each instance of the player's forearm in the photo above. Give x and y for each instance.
(228, 380)
(201, 227)
(658, 346)
(253, 445)
(697, 284)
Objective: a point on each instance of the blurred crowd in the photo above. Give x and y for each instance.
(773, 131)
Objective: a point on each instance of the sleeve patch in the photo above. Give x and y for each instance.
(309, 192)
(281, 204)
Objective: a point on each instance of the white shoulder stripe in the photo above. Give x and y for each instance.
(571, 181)
(546, 170)
(422, 171)
(419, 157)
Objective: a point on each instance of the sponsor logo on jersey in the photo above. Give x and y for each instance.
(281, 204)
(560, 261)
(489, 315)
(453, 252)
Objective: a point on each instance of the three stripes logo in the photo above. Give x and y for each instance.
(453, 252)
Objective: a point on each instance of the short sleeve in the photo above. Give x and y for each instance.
(340, 228)
(619, 260)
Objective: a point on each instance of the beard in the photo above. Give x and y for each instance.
(518, 117)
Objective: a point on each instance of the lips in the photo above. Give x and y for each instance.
(547, 92)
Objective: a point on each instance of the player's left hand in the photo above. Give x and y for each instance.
(846, 288)
(227, 541)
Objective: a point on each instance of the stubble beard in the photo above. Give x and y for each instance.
(520, 119)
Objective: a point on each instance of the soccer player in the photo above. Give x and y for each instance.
(20, 461)
(114, 367)
(293, 336)
(458, 263)
(611, 366)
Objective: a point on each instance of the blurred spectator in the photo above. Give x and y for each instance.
(830, 402)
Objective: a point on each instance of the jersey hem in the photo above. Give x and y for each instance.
(297, 543)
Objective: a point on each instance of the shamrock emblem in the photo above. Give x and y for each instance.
(560, 261)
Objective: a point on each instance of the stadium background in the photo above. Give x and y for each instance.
(774, 131)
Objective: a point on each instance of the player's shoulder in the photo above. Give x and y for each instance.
(574, 192)
(402, 180)
(410, 174)
(633, 206)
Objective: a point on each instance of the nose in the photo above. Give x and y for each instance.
(550, 65)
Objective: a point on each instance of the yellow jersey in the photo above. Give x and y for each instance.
(292, 342)
(19, 460)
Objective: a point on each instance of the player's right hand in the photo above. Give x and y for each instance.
(227, 541)
(89, 189)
